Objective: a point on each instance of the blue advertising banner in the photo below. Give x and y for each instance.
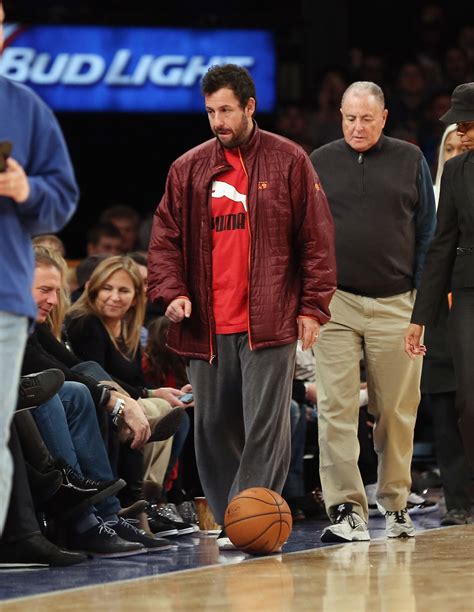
(89, 68)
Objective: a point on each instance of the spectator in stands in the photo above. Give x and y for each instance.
(52, 242)
(104, 239)
(127, 221)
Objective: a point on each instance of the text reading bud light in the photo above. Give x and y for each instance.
(79, 68)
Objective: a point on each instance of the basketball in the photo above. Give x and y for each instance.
(258, 521)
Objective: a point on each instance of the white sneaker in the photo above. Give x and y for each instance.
(347, 526)
(224, 543)
(399, 524)
(416, 504)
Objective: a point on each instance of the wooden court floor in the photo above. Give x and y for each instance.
(432, 572)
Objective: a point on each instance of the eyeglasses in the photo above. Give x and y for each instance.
(465, 126)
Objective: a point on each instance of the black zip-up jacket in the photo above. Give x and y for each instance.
(383, 206)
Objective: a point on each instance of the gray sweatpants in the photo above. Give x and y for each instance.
(242, 426)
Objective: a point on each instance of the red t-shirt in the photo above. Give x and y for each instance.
(230, 247)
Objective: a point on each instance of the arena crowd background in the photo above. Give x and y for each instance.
(417, 51)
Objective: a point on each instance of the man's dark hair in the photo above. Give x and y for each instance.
(85, 268)
(102, 229)
(120, 211)
(139, 258)
(234, 77)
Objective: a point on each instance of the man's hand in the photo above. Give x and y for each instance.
(136, 420)
(308, 331)
(179, 309)
(413, 348)
(170, 395)
(14, 182)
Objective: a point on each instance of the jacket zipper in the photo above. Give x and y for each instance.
(249, 253)
(211, 343)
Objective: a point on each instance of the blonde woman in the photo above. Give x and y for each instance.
(104, 326)
(449, 147)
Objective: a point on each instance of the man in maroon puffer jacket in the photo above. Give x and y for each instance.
(242, 257)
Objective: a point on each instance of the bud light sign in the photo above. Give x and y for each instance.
(85, 68)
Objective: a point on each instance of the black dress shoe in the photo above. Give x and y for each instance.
(77, 493)
(101, 541)
(38, 550)
(38, 388)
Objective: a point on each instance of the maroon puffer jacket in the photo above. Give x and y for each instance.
(292, 258)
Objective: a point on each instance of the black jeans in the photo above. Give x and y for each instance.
(450, 453)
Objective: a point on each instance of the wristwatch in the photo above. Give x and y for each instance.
(117, 410)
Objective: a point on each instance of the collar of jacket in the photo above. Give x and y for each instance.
(248, 149)
(377, 147)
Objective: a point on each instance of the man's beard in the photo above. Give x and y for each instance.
(239, 138)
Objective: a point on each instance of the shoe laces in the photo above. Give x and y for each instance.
(344, 512)
(127, 523)
(398, 514)
(105, 528)
(76, 481)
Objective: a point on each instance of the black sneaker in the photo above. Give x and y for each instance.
(187, 511)
(168, 515)
(37, 550)
(38, 388)
(101, 541)
(157, 525)
(127, 531)
(456, 516)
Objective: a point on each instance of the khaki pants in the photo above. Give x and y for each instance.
(376, 327)
(156, 455)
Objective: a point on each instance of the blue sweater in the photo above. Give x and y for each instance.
(39, 147)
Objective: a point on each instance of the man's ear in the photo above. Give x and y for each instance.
(251, 105)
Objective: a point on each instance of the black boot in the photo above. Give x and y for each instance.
(36, 549)
(74, 479)
(77, 493)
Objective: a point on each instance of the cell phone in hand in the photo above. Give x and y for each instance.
(5, 151)
(187, 398)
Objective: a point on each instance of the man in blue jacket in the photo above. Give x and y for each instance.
(38, 194)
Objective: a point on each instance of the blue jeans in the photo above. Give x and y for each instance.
(294, 485)
(13, 333)
(92, 369)
(68, 424)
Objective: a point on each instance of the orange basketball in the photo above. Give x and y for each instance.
(258, 521)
